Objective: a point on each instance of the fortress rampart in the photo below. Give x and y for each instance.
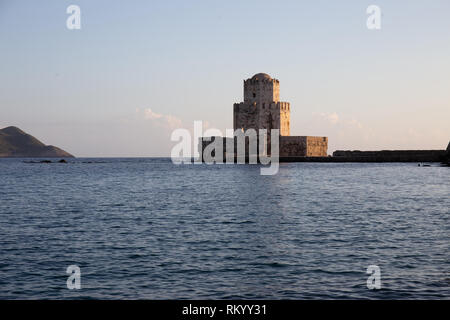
(391, 155)
(262, 109)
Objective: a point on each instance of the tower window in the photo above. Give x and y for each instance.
(254, 95)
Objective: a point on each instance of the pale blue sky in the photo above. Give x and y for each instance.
(89, 91)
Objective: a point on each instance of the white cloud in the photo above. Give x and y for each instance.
(149, 114)
(164, 120)
(356, 123)
(343, 131)
(173, 122)
(332, 118)
(335, 119)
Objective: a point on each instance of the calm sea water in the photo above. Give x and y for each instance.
(148, 229)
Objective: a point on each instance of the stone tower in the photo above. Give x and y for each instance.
(262, 108)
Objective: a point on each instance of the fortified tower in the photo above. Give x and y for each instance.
(262, 108)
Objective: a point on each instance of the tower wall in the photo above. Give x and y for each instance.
(292, 146)
(245, 116)
(285, 118)
(303, 146)
(273, 115)
(261, 90)
(316, 146)
(262, 109)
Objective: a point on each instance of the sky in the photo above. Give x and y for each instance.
(137, 70)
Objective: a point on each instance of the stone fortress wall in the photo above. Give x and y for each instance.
(391, 155)
(262, 109)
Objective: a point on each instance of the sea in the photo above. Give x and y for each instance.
(145, 228)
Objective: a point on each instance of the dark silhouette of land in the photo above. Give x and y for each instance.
(14, 143)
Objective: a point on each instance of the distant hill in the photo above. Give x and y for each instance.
(14, 143)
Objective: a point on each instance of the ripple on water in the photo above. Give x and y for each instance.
(147, 229)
